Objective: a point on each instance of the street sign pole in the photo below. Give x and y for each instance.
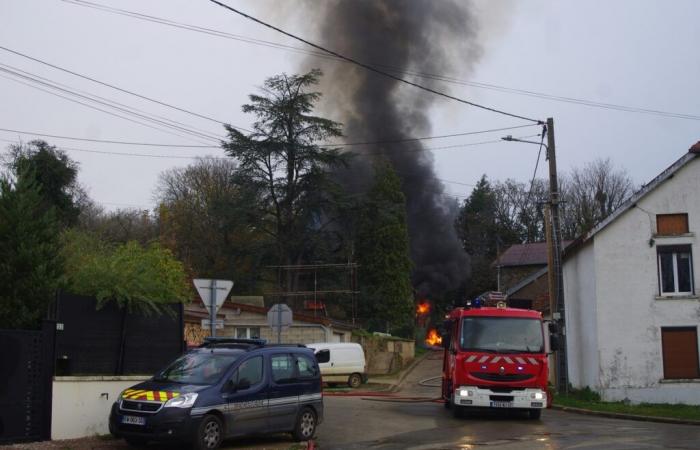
(279, 327)
(212, 309)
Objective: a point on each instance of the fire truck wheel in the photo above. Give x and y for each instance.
(355, 380)
(535, 414)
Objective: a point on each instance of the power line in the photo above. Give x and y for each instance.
(443, 78)
(127, 110)
(89, 94)
(107, 141)
(126, 91)
(95, 108)
(372, 68)
(155, 144)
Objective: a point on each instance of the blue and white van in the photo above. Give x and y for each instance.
(223, 389)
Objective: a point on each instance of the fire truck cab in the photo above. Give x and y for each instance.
(495, 357)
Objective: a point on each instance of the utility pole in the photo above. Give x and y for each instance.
(556, 273)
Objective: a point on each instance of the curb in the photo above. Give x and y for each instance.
(613, 415)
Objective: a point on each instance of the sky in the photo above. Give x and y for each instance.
(634, 53)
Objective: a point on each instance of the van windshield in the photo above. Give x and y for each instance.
(501, 335)
(197, 368)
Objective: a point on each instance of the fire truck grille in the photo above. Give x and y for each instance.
(499, 377)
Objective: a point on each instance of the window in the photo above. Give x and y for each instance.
(323, 356)
(282, 368)
(675, 270)
(671, 224)
(307, 368)
(250, 371)
(680, 352)
(247, 333)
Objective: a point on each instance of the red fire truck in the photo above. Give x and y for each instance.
(496, 358)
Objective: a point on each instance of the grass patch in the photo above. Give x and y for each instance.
(588, 399)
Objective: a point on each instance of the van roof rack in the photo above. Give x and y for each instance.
(246, 344)
(222, 341)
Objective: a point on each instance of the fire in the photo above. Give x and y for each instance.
(422, 308)
(433, 338)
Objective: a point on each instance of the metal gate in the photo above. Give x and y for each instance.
(26, 377)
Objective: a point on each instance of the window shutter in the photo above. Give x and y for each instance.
(680, 352)
(671, 224)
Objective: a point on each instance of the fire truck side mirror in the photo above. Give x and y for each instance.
(553, 328)
(446, 340)
(553, 342)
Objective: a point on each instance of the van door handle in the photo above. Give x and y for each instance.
(331, 364)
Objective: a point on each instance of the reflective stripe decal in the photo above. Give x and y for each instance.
(471, 358)
(254, 404)
(140, 394)
(496, 359)
(533, 361)
(483, 359)
(520, 360)
(508, 360)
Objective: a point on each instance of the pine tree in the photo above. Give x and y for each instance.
(30, 265)
(386, 300)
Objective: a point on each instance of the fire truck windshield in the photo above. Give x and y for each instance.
(501, 335)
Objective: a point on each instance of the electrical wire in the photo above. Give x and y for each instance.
(110, 105)
(443, 78)
(98, 109)
(373, 68)
(126, 91)
(70, 88)
(107, 141)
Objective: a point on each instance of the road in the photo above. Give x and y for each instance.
(354, 423)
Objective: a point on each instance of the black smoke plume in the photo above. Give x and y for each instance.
(399, 36)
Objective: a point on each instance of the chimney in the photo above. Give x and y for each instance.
(695, 148)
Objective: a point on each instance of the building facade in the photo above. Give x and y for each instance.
(632, 305)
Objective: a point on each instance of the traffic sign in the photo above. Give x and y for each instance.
(206, 288)
(219, 324)
(279, 316)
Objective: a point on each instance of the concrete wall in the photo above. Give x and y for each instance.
(630, 313)
(81, 405)
(581, 317)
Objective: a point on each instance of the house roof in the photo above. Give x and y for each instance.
(533, 254)
(631, 202)
(194, 312)
(526, 281)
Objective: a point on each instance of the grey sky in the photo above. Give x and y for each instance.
(634, 53)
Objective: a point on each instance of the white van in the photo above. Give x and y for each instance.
(341, 362)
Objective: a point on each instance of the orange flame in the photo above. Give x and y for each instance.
(422, 308)
(433, 338)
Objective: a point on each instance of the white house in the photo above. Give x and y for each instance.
(631, 294)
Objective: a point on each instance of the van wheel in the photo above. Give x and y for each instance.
(534, 414)
(305, 426)
(355, 380)
(210, 433)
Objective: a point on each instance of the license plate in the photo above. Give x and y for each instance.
(134, 420)
(501, 404)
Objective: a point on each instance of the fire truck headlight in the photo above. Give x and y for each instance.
(537, 395)
(466, 393)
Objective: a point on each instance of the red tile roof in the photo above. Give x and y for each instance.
(534, 254)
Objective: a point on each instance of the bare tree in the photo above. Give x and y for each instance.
(592, 193)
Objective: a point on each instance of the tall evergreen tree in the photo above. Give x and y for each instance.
(30, 262)
(386, 300)
(282, 163)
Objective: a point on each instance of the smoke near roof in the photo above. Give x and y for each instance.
(399, 36)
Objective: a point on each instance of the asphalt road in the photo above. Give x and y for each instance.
(354, 423)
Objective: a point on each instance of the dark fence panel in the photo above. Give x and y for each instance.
(26, 371)
(111, 340)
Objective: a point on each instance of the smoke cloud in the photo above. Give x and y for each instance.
(399, 36)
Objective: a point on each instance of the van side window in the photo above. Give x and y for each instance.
(323, 356)
(307, 368)
(250, 372)
(282, 368)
